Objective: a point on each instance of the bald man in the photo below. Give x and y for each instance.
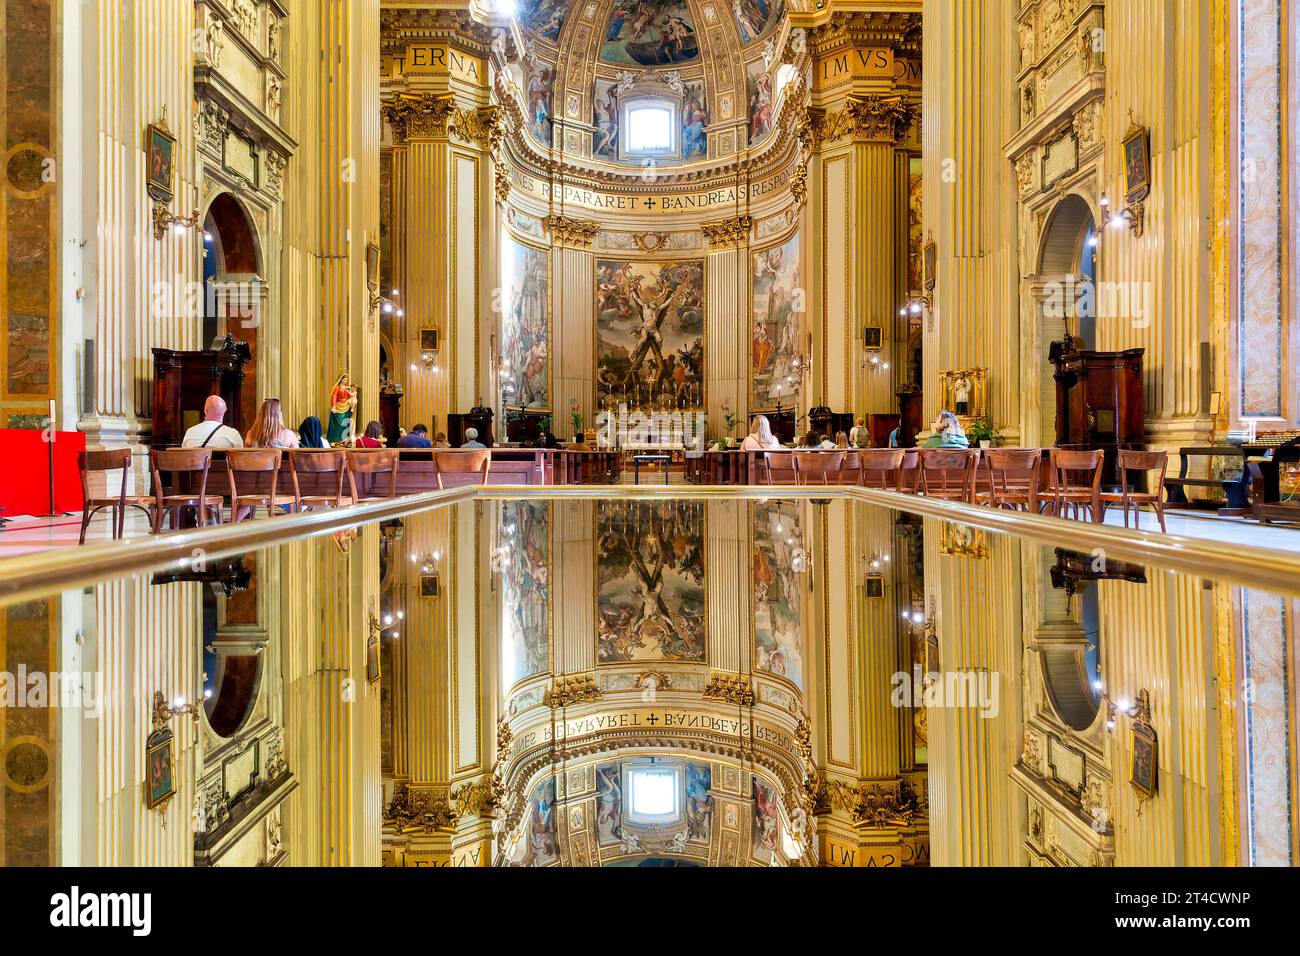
(211, 433)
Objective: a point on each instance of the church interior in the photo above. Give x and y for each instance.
(650, 433)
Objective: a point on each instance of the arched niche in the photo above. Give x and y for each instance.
(234, 287)
(1066, 262)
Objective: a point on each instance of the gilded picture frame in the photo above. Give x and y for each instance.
(160, 770)
(929, 260)
(1137, 163)
(372, 660)
(372, 266)
(1142, 767)
(964, 392)
(160, 165)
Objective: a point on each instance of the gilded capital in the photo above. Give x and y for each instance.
(578, 233)
(420, 117)
(871, 118)
(728, 232)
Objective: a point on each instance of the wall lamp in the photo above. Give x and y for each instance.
(386, 303)
(163, 711)
(163, 220)
(386, 623)
(1139, 709)
(1130, 216)
(916, 305)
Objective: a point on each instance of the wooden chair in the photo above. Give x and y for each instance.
(318, 462)
(183, 461)
(1069, 493)
(851, 469)
(948, 473)
(257, 461)
(460, 463)
(374, 462)
(823, 464)
(1153, 461)
(782, 462)
(908, 475)
(107, 462)
(880, 466)
(1012, 475)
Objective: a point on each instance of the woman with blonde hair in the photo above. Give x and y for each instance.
(268, 429)
(760, 437)
(841, 440)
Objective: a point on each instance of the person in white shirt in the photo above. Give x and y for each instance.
(211, 433)
(760, 437)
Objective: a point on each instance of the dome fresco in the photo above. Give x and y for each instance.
(702, 55)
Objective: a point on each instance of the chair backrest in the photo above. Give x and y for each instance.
(476, 461)
(1066, 462)
(883, 459)
(374, 461)
(1132, 460)
(112, 459)
(174, 461)
(778, 461)
(948, 471)
(316, 460)
(254, 460)
(819, 463)
(909, 469)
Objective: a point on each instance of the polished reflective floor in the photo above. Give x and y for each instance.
(668, 681)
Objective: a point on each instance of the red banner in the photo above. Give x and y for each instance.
(25, 471)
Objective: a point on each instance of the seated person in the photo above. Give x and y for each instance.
(310, 434)
(947, 433)
(211, 432)
(841, 440)
(471, 439)
(760, 437)
(373, 437)
(417, 437)
(893, 436)
(269, 430)
(440, 440)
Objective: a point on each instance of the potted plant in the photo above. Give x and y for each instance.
(731, 420)
(981, 432)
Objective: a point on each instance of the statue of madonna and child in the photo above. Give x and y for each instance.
(343, 403)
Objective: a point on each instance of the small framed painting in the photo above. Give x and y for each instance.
(874, 585)
(872, 337)
(372, 660)
(428, 340)
(372, 266)
(929, 258)
(160, 776)
(430, 585)
(160, 151)
(1142, 773)
(1137, 163)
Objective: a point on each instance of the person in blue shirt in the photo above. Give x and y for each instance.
(417, 437)
(947, 433)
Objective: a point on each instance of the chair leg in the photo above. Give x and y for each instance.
(1160, 514)
(86, 515)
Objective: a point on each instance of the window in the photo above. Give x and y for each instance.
(654, 793)
(650, 129)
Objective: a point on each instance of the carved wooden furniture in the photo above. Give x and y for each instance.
(1012, 475)
(880, 466)
(464, 468)
(390, 412)
(255, 461)
(376, 463)
(190, 462)
(319, 462)
(1076, 480)
(1144, 461)
(778, 463)
(183, 381)
(479, 417)
(109, 461)
(1099, 403)
(809, 465)
(911, 415)
(948, 473)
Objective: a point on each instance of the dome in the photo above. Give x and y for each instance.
(681, 65)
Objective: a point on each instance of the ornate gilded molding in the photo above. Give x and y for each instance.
(484, 126)
(427, 810)
(574, 688)
(873, 805)
(477, 798)
(873, 118)
(420, 117)
(577, 233)
(728, 232)
(799, 183)
(733, 688)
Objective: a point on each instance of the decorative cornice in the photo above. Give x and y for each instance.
(733, 688)
(579, 234)
(575, 688)
(721, 235)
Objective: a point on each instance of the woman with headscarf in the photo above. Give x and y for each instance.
(947, 433)
(310, 434)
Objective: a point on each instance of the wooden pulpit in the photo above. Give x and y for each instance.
(1099, 402)
(182, 382)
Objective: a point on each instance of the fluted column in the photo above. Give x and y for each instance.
(573, 322)
(729, 304)
(729, 585)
